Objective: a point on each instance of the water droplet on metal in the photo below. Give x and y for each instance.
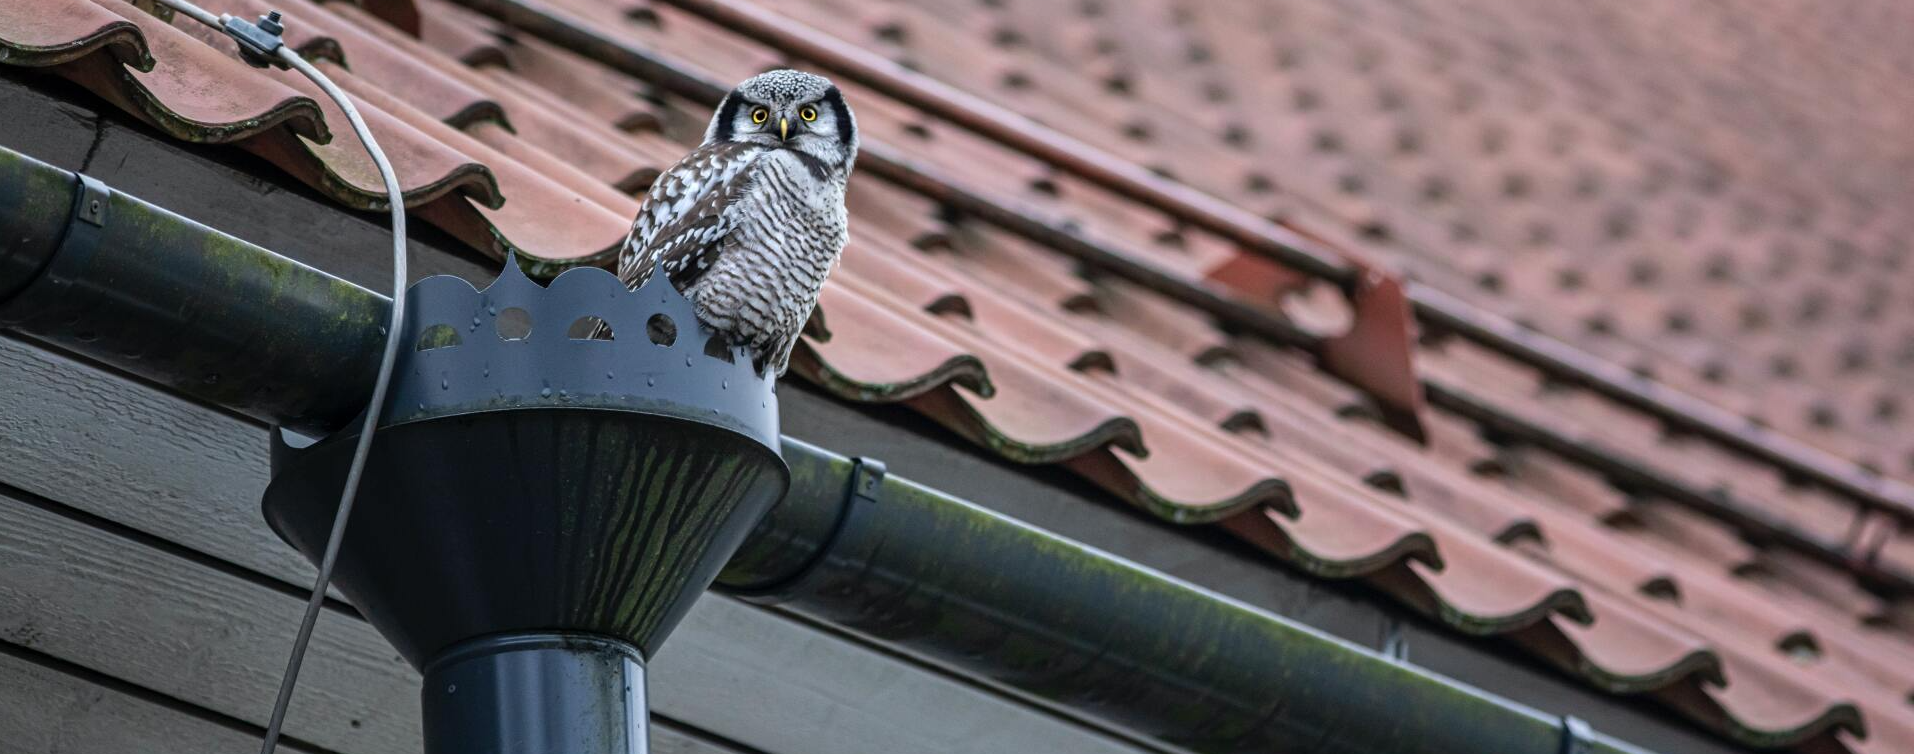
(492, 310)
(608, 375)
(687, 361)
(724, 384)
(546, 393)
(212, 379)
(562, 395)
(650, 381)
(445, 384)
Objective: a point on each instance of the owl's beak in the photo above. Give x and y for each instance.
(784, 128)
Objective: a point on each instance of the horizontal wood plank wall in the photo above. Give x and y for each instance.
(46, 708)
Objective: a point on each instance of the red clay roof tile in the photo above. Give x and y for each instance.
(437, 92)
(587, 146)
(470, 38)
(1334, 540)
(542, 220)
(193, 91)
(886, 358)
(40, 33)
(1035, 415)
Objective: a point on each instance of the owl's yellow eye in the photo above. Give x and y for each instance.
(809, 113)
(760, 115)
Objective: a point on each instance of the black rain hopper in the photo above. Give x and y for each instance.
(541, 508)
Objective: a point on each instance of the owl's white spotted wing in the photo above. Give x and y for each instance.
(683, 223)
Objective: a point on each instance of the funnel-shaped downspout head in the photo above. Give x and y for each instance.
(534, 480)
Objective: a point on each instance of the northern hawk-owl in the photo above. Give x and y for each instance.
(751, 221)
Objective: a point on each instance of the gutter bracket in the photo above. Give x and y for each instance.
(866, 475)
(1578, 737)
(85, 226)
(91, 206)
(860, 501)
(259, 41)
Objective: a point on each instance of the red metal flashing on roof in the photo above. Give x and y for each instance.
(1378, 352)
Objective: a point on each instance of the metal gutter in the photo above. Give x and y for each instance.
(1431, 307)
(974, 590)
(1554, 357)
(33, 199)
(901, 563)
(128, 284)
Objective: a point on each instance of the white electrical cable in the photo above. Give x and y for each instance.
(387, 361)
(386, 365)
(197, 13)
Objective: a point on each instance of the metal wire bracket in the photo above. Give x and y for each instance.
(259, 42)
(866, 480)
(85, 226)
(91, 207)
(866, 475)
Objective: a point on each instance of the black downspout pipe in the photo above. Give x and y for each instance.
(528, 693)
(887, 558)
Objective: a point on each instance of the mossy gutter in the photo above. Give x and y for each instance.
(149, 292)
(1089, 631)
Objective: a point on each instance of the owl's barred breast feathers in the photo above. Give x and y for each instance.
(749, 224)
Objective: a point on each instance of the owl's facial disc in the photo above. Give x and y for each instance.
(791, 110)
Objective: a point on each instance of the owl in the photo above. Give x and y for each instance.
(751, 221)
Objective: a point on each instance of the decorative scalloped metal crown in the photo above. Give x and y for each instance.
(530, 477)
(517, 344)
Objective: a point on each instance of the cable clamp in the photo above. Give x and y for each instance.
(259, 42)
